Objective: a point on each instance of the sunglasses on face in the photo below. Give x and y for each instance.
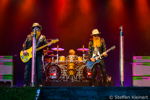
(36, 29)
(96, 35)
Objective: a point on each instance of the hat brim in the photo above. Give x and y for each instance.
(96, 34)
(39, 26)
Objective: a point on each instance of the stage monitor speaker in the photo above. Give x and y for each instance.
(6, 70)
(141, 71)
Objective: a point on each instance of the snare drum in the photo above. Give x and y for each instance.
(62, 60)
(80, 60)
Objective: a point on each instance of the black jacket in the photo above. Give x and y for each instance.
(28, 43)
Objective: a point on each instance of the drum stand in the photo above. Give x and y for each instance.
(80, 73)
(63, 73)
(73, 78)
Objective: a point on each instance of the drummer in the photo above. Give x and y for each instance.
(72, 57)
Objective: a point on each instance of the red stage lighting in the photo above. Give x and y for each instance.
(89, 73)
(53, 74)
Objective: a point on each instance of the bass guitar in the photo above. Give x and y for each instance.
(26, 58)
(90, 64)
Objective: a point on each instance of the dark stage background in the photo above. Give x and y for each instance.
(72, 22)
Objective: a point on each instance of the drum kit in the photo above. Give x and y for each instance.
(61, 68)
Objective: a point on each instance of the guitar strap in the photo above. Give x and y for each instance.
(41, 37)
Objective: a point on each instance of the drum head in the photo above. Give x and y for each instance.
(53, 72)
(87, 73)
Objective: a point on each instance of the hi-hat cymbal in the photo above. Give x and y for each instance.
(49, 51)
(83, 49)
(59, 49)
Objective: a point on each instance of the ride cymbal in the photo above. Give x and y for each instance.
(57, 49)
(82, 49)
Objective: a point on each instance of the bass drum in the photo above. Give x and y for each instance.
(87, 73)
(53, 72)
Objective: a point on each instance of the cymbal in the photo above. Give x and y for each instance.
(48, 59)
(49, 51)
(59, 49)
(52, 55)
(83, 49)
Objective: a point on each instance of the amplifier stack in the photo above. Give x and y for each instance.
(6, 70)
(141, 71)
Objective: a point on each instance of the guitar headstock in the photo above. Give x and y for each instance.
(54, 41)
(113, 47)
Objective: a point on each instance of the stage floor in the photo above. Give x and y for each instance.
(94, 93)
(73, 84)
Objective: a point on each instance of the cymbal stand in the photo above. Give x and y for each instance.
(80, 73)
(73, 78)
(83, 53)
(64, 74)
(43, 62)
(57, 53)
(52, 61)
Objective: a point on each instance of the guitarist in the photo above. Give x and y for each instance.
(40, 40)
(96, 47)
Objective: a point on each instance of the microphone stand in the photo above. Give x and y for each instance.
(121, 57)
(33, 57)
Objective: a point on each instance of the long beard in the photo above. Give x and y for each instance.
(38, 33)
(96, 42)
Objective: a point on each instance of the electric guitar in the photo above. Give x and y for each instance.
(26, 58)
(90, 64)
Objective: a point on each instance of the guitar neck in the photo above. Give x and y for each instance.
(41, 47)
(102, 53)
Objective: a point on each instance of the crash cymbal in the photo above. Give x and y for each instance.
(59, 49)
(83, 49)
(49, 51)
(48, 59)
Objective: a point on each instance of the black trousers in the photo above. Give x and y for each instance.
(28, 67)
(94, 72)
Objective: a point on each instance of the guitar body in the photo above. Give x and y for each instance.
(90, 64)
(26, 58)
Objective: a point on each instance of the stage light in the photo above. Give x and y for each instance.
(89, 73)
(52, 74)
